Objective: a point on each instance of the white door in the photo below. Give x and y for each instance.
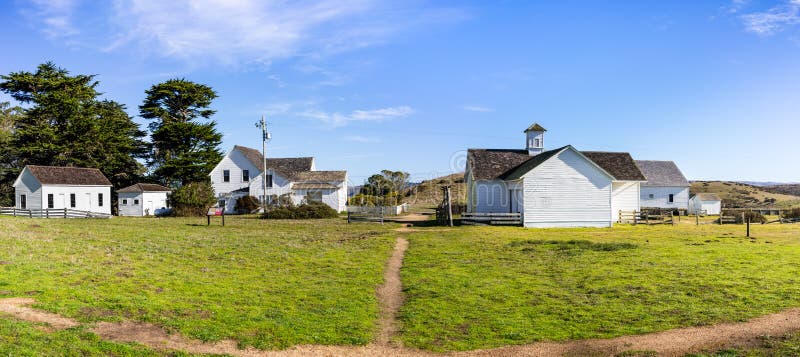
(89, 202)
(63, 199)
(148, 208)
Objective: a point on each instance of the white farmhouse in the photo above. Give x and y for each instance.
(705, 203)
(142, 199)
(666, 187)
(556, 188)
(75, 188)
(240, 174)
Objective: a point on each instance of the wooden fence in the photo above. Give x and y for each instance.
(646, 217)
(375, 214)
(51, 213)
(495, 219)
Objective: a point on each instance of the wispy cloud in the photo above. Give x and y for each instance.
(237, 32)
(376, 115)
(773, 20)
(361, 139)
(478, 108)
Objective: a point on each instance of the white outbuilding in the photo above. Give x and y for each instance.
(142, 199)
(705, 203)
(666, 187)
(55, 187)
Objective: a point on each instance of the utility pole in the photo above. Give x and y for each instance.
(265, 136)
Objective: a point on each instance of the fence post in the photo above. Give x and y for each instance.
(646, 218)
(673, 217)
(748, 227)
(620, 216)
(636, 217)
(348, 216)
(697, 218)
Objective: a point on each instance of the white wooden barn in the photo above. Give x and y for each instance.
(75, 188)
(563, 187)
(142, 199)
(666, 187)
(705, 203)
(240, 174)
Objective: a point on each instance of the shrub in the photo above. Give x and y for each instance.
(246, 204)
(192, 199)
(793, 213)
(311, 210)
(755, 217)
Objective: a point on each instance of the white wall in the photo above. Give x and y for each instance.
(624, 197)
(86, 197)
(567, 191)
(710, 207)
(661, 196)
(149, 202)
(126, 205)
(234, 161)
(491, 196)
(30, 187)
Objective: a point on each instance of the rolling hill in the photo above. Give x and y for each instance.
(742, 195)
(429, 192)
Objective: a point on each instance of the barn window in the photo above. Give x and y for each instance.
(245, 175)
(269, 180)
(124, 202)
(226, 175)
(651, 196)
(100, 200)
(49, 200)
(135, 202)
(671, 198)
(72, 200)
(23, 201)
(314, 196)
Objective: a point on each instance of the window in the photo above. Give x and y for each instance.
(135, 202)
(269, 180)
(23, 201)
(226, 175)
(315, 196)
(49, 200)
(536, 143)
(245, 175)
(671, 198)
(651, 196)
(72, 200)
(124, 202)
(221, 204)
(100, 200)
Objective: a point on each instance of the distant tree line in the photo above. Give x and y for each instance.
(382, 189)
(64, 121)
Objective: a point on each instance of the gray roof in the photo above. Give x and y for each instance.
(76, 176)
(320, 176)
(288, 167)
(144, 187)
(535, 127)
(662, 173)
(707, 197)
(619, 164)
(490, 164)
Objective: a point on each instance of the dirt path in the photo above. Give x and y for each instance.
(390, 294)
(675, 342)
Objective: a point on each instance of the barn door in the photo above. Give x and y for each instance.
(513, 201)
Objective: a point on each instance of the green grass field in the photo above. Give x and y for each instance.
(482, 287)
(269, 284)
(274, 284)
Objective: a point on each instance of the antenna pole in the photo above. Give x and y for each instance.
(264, 137)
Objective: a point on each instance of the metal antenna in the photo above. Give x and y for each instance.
(265, 136)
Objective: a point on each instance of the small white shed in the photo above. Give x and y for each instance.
(142, 199)
(708, 203)
(56, 187)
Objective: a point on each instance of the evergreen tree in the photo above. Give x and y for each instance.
(184, 149)
(8, 171)
(65, 124)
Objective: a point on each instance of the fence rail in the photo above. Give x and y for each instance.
(646, 217)
(366, 216)
(51, 213)
(495, 219)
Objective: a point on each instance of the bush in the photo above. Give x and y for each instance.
(311, 210)
(246, 204)
(755, 217)
(192, 199)
(793, 213)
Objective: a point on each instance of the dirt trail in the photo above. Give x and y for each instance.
(18, 307)
(390, 294)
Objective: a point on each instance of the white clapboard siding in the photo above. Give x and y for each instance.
(126, 204)
(567, 191)
(624, 197)
(236, 162)
(30, 187)
(491, 196)
(661, 194)
(86, 197)
(704, 207)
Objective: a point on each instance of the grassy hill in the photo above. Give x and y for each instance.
(429, 192)
(747, 196)
(784, 189)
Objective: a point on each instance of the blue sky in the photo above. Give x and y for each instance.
(367, 85)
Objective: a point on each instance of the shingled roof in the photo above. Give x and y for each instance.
(490, 164)
(59, 175)
(662, 173)
(320, 176)
(535, 127)
(288, 167)
(618, 164)
(144, 187)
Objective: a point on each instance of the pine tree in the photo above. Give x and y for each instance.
(184, 149)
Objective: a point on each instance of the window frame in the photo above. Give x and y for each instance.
(73, 201)
(100, 199)
(50, 201)
(23, 201)
(135, 201)
(245, 175)
(309, 196)
(671, 198)
(124, 201)
(226, 175)
(270, 181)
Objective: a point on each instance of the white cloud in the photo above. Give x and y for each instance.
(774, 20)
(478, 108)
(361, 139)
(375, 115)
(234, 32)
